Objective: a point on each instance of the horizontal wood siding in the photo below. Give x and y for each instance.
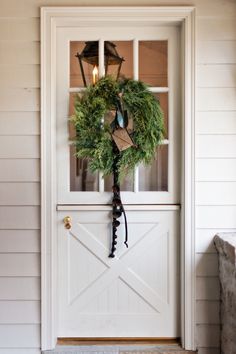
(219, 217)
(215, 163)
(20, 288)
(13, 241)
(19, 185)
(216, 122)
(20, 335)
(19, 29)
(27, 193)
(19, 217)
(208, 288)
(216, 76)
(27, 53)
(22, 99)
(20, 312)
(213, 28)
(19, 264)
(216, 52)
(19, 147)
(215, 193)
(19, 170)
(20, 160)
(30, 123)
(208, 312)
(211, 146)
(208, 336)
(29, 9)
(20, 351)
(210, 99)
(22, 75)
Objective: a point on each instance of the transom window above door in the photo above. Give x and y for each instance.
(145, 60)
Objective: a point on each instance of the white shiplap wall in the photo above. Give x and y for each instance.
(19, 182)
(20, 154)
(215, 161)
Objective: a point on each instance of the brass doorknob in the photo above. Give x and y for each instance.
(67, 222)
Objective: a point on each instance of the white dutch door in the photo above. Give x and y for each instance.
(135, 294)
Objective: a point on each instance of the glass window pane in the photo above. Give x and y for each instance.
(83, 59)
(81, 179)
(126, 185)
(163, 99)
(153, 57)
(124, 49)
(155, 177)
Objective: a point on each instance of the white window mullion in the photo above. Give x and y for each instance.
(136, 180)
(101, 69)
(76, 89)
(159, 89)
(136, 76)
(135, 59)
(100, 182)
(101, 72)
(152, 89)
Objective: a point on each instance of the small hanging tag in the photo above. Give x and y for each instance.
(122, 139)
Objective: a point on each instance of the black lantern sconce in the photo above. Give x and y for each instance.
(90, 55)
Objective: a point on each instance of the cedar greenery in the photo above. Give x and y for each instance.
(93, 138)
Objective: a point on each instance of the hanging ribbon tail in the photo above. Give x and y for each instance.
(117, 211)
(126, 228)
(117, 206)
(114, 237)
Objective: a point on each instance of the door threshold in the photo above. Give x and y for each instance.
(119, 346)
(116, 341)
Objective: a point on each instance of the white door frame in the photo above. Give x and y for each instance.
(51, 19)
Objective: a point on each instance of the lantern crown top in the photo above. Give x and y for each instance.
(90, 53)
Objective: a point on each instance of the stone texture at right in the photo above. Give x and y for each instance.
(226, 247)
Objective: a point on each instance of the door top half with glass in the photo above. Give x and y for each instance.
(149, 54)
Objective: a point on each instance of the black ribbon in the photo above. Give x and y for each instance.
(117, 206)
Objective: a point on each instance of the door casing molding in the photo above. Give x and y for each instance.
(51, 19)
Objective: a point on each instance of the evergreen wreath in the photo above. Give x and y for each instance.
(118, 126)
(128, 100)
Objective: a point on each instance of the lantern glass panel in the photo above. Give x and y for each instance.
(76, 77)
(153, 63)
(125, 51)
(81, 178)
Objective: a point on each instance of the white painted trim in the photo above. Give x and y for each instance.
(152, 89)
(51, 19)
(188, 276)
(108, 207)
(48, 199)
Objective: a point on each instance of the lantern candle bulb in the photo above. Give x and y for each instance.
(95, 74)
